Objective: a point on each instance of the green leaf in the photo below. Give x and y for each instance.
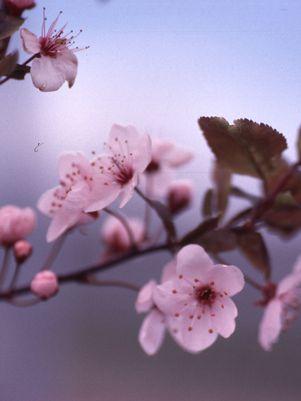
(9, 25)
(252, 245)
(245, 147)
(8, 63)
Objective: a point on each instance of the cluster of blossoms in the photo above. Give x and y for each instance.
(193, 299)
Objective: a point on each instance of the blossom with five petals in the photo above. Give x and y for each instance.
(199, 297)
(55, 61)
(282, 308)
(118, 170)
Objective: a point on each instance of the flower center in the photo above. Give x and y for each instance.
(205, 295)
(123, 174)
(153, 167)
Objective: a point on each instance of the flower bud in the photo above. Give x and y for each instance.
(15, 224)
(179, 195)
(22, 250)
(44, 284)
(16, 7)
(116, 236)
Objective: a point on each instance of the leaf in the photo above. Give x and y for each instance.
(194, 235)
(207, 204)
(8, 63)
(245, 147)
(284, 219)
(220, 240)
(9, 25)
(252, 245)
(222, 180)
(299, 143)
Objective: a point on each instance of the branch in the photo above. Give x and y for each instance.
(81, 274)
(22, 65)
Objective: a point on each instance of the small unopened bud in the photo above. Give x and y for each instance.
(179, 196)
(45, 284)
(116, 237)
(22, 250)
(15, 223)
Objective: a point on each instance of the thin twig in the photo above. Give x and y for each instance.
(54, 252)
(22, 65)
(91, 280)
(125, 224)
(5, 265)
(79, 275)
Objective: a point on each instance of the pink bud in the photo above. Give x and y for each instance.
(44, 284)
(22, 250)
(15, 7)
(15, 223)
(116, 236)
(179, 195)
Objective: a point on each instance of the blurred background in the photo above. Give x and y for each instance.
(158, 65)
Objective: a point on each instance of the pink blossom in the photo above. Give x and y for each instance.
(16, 7)
(155, 324)
(45, 284)
(22, 250)
(199, 297)
(15, 223)
(282, 308)
(180, 194)
(166, 156)
(116, 237)
(127, 155)
(55, 62)
(66, 203)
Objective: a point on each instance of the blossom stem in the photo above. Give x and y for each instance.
(22, 65)
(125, 224)
(5, 265)
(15, 276)
(54, 252)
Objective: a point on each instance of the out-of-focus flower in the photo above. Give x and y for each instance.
(116, 237)
(16, 7)
(155, 324)
(44, 284)
(128, 154)
(55, 62)
(179, 196)
(166, 156)
(66, 203)
(281, 308)
(15, 223)
(22, 250)
(199, 297)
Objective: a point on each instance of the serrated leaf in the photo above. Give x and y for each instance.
(252, 245)
(284, 219)
(9, 25)
(245, 147)
(8, 63)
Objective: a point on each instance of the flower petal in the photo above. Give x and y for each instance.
(193, 263)
(152, 332)
(270, 325)
(223, 317)
(196, 334)
(169, 271)
(45, 74)
(144, 300)
(128, 191)
(30, 41)
(172, 296)
(66, 62)
(60, 223)
(227, 279)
